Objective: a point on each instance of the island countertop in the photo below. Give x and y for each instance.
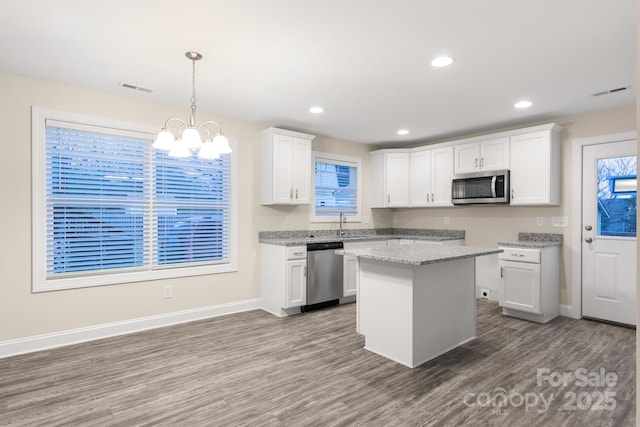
(419, 255)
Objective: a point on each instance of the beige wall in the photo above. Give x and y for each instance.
(23, 314)
(486, 226)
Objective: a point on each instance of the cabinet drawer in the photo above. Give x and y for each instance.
(520, 254)
(296, 252)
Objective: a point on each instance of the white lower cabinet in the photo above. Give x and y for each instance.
(283, 278)
(350, 271)
(529, 283)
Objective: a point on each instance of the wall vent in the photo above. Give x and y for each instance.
(610, 91)
(134, 87)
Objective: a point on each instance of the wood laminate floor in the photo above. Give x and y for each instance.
(253, 369)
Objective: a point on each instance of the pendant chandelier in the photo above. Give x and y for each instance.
(189, 136)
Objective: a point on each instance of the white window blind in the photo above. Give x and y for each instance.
(336, 188)
(97, 200)
(111, 209)
(192, 200)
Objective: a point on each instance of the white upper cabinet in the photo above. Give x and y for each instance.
(489, 154)
(431, 175)
(420, 187)
(285, 167)
(389, 178)
(535, 167)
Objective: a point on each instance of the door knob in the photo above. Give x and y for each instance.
(588, 227)
(588, 239)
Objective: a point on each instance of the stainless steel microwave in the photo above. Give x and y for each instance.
(490, 187)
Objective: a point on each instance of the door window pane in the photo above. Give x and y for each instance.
(617, 188)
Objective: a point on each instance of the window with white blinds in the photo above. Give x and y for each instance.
(337, 187)
(108, 208)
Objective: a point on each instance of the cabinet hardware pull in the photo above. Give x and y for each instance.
(296, 194)
(588, 240)
(516, 254)
(388, 198)
(291, 193)
(297, 253)
(432, 198)
(304, 273)
(501, 272)
(476, 162)
(588, 227)
(482, 162)
(512, 193)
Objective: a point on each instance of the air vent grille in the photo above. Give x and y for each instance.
(134, 87)
(610, 91)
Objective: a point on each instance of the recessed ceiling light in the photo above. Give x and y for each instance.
(403, 132)
(316, 110)
(523, 104)
(442, 61)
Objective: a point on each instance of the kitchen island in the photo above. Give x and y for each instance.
(415, 303)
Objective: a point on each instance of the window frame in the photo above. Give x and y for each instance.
(339, 160)
(40, 281)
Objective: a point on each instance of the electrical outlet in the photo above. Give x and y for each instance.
(540, 221)
(560, 221)
(289, 220)
(366, 219)
(168, 291)
(395, 219)
(446, 220)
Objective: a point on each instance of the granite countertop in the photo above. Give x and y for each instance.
(534, 241)
(303, 237)
(419, 255)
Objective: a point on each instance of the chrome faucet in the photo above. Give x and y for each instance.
(342, 220)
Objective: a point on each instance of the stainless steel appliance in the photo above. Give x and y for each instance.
(490, 187)
(324, 275)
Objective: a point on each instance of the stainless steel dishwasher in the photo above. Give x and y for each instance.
(324, 275)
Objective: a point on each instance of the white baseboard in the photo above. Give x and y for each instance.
(75, 336)
(567, 311)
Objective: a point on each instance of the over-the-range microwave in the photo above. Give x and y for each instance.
(491, 187)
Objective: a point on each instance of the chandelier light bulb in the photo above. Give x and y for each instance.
(191, 137)
(164, 140)
(208, 151)
(221, 144)
(180, 149)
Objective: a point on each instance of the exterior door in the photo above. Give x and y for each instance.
(609, 232)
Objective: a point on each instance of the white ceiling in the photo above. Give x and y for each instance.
(367, 62)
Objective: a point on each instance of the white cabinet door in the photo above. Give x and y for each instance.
(535, 169)
(494, 154)
(441, 176)
(350, 281)
(467, 157)
(350, 275)
(282, 169)
(520, 286)
(397, 179)
(378, 187)
(301, 171)
(421, 193)
(296, 283)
